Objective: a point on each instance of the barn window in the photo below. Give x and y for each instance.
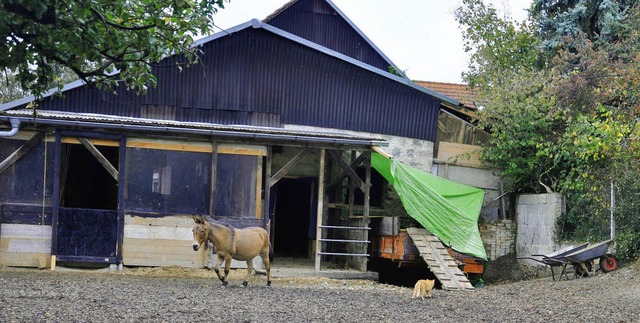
(236, 180)
(166, 176)
(166, 181)
(24, 180)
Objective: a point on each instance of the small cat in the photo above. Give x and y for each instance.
(423, 286)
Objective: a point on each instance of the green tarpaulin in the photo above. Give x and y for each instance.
(447, 209)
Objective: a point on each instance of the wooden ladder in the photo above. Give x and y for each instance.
(440, 262)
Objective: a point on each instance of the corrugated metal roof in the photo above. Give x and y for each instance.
(322, 22)
(257, 74)
(154, 125)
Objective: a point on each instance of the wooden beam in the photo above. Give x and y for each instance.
(100, 157)
(357, 181)
(342, 175)
(320, 209)
(213, 179)
(23, 150)
(289, 166)
(367, 185)
(267, 193)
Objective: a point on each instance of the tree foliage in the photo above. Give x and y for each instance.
(594, 20)
(101, 41)
(563, 107)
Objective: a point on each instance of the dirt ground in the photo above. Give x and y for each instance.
(179, 295)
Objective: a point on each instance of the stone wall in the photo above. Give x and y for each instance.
(498, 238)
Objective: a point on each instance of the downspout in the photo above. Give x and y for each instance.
(15, 126)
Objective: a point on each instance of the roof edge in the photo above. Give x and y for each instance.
(256, 24)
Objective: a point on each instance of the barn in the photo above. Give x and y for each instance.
(274, 127)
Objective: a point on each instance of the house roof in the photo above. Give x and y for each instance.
(461, 92)
(465, 95)
(289, 4)
(256, 24)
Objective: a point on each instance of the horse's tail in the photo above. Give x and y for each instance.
(270, 256)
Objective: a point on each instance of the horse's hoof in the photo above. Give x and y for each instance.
(269, 284)
(245, 283)
(224, 284)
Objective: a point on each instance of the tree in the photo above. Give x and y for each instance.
(598, 21)
(498, 47)
(101, 41)
(569, 123)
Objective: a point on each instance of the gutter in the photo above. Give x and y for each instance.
(15, 126)
(200, 132)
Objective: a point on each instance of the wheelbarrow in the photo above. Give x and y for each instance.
(583, 260)
(557, 259)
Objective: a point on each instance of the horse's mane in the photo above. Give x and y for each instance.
(232, 229)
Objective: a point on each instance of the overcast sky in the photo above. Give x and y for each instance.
(421, 37)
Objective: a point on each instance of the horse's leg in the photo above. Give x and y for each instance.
(216, 268)
(267, 264)
(249, 271)
(227, 265)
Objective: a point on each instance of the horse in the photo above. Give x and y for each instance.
(233, 243)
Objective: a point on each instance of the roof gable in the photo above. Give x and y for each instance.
(323, 23)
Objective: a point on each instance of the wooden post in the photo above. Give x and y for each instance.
(214, 170)
(351, 187)
(612, 233)
(267, 192)
(320, 208)
(367, 198)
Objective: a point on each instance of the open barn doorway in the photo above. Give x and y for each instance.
(87, 227)
(84, 181)
(294, 224)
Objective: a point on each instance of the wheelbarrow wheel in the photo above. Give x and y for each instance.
(608, 263)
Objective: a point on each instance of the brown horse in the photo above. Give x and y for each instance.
(232, 243)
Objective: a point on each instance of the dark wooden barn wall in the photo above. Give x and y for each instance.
(258, 78)
(318, 22)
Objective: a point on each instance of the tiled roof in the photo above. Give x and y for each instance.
(460, 92)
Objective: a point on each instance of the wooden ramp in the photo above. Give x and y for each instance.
(439, 261)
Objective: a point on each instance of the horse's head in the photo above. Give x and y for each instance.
(200, 232)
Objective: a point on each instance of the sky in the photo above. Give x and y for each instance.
(421, 37)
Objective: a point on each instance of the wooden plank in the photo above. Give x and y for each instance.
(460, 154)
(161, 252)
(100, 157)
(289, 166)
(214, 179)
(159, 262)
(183, 221)
(157, 233)
(175, 145)
(342, 175)
(25, 245)
(159, 245)
(94, 141)
(22, 259)
(193, 146)
(320, 209)
(23, 150)
(439, 261)
(242, 150)
(348, 170)
(25, 231)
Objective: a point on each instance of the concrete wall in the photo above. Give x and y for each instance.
(536, 216)
(499, 238)
(415, 152)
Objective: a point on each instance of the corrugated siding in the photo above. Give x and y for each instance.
(317, 21)
(257, 78)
